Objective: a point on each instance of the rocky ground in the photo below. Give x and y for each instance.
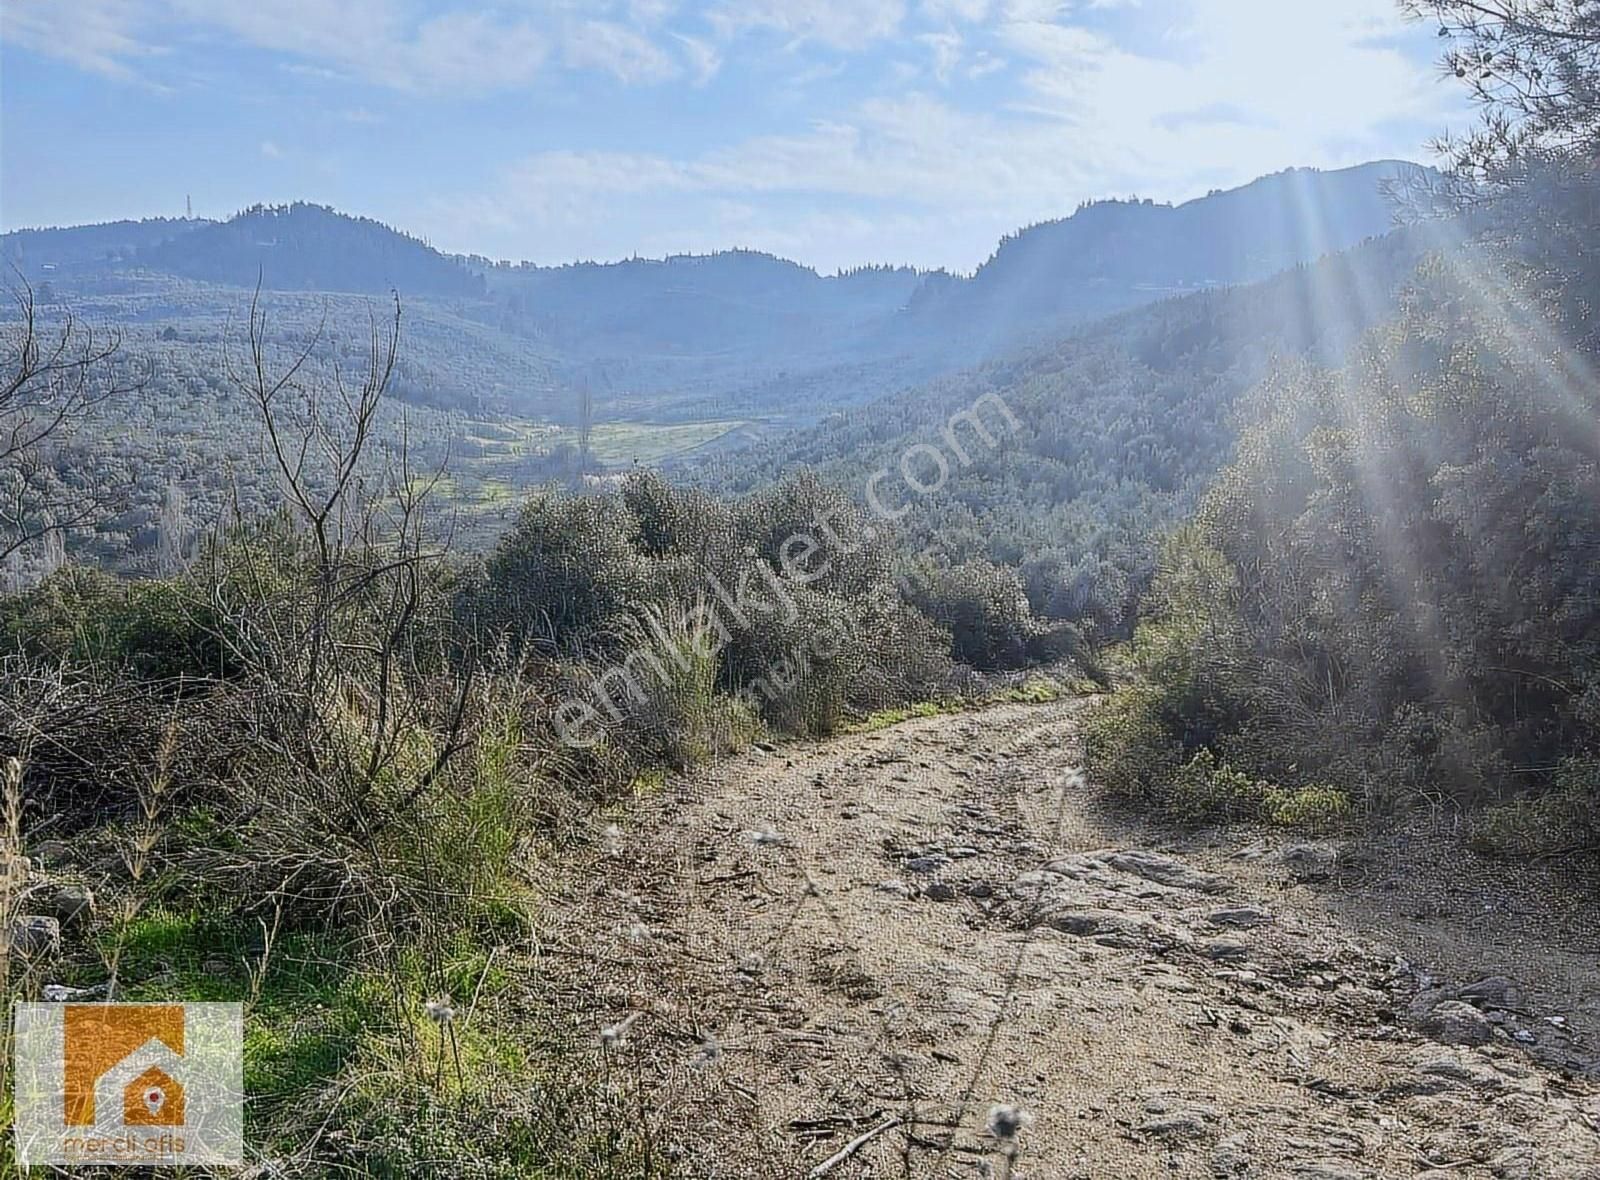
(932, 951)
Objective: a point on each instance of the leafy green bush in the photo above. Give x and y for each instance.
(567, 575)
(158, 630)
(1562, 821)
(1166, 740)
(1126, 747)
(985, 609)
(798, 618)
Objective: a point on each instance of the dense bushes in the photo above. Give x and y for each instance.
(86, 617)
(1185, 737)
(1393, 587)
(985, 609)
(1415, 542)
(674, 603)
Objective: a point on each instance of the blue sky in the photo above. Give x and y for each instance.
(835, 132)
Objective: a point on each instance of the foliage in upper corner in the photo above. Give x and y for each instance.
(1403, 594)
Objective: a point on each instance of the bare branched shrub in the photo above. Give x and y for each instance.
(354, 716)
(52, 374)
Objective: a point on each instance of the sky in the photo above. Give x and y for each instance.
(833, 132)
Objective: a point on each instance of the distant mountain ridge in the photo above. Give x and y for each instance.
(38, 253)
(1113, 255)
(703, 328)
(304, 247)
(730, 299)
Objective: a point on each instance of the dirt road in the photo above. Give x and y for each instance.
(852, 951)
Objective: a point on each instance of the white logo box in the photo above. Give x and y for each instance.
(129, 1084)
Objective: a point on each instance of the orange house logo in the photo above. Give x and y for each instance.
(109, 1084)
(130, 1055)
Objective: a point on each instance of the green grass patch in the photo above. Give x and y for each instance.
(304, 1023)
(1040, 690)
(622, 443)
(884, 718)
(1035, 690)
(648, 783)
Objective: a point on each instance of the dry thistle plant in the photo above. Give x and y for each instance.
(257, 971)
(1006, 1123)
(13, 880)
(138, 847)
(443, 1013)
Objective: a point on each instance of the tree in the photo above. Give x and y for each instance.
(170, 528)
(585, 426)
(1533, 67)
(51, 376)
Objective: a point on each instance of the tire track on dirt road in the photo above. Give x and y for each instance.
(867, 942)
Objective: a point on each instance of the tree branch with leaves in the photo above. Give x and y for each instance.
(1533, 68)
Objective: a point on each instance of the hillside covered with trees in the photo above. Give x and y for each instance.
(1389, 591)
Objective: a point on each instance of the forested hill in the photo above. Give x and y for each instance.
(42, 254)
(313, 248)
(298, 247)
(742, 300)
(1121, 424)
(1106, 257)
(736, 333)
(1113, 255)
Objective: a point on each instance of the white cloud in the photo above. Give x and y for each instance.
(849, 25)
(1012, 11)
(985, 63)
(1166, 100)
(1234, 94)
(466, 50)
(270, 150)
(702, 56)
(456, 51)
(650, 13)
(946, 51)
(617, 50)
(94, 35)
(1315, 84)
(939, 11)
(915, 163)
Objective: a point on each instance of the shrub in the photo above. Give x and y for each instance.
(157, 630)
(985, 609)
(567, 575)
(1126, 747)
(1316, 806)
(1562, 821)
(680, 718)
(808, 623)
(1164, 742)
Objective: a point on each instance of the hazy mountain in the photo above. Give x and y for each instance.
(45, 253)
(304, 247)
(1112, 255)
(730, 307)
(1118, 424)
(298, 247)
(728, 332)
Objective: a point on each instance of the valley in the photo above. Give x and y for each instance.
(684, 361)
